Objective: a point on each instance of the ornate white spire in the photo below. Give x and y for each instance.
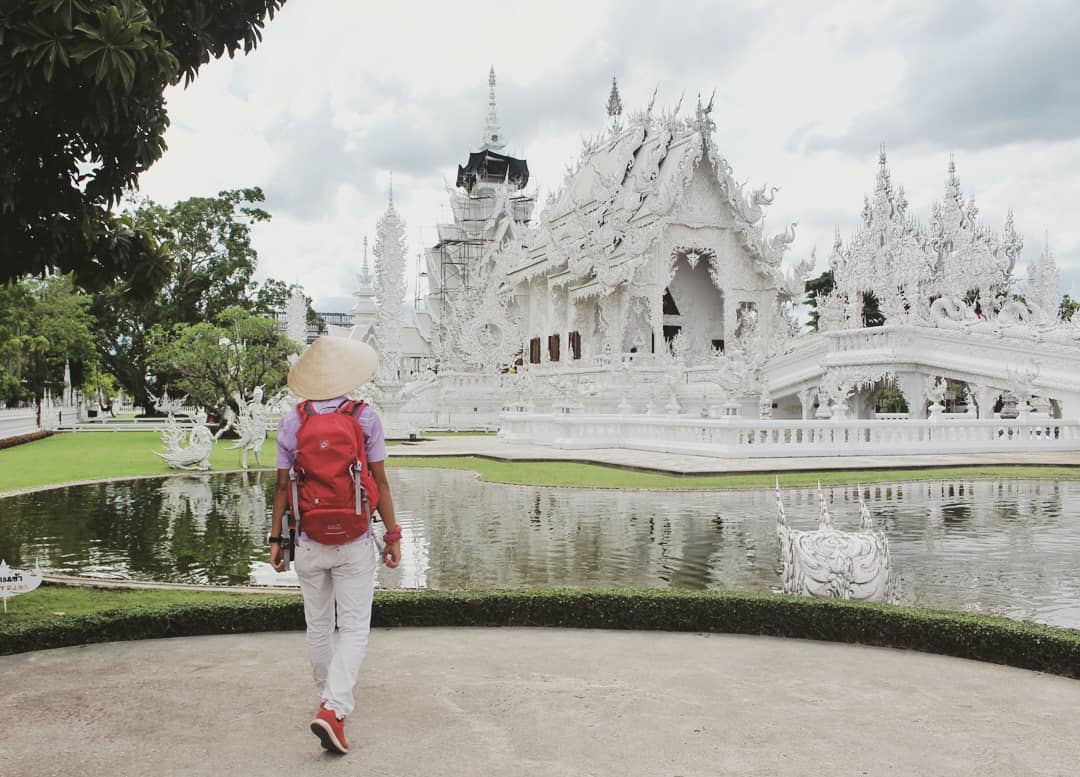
(365, 269)
(296, 317)
(1043, 293)
(390, 292)
(493, 137)
(614, 102)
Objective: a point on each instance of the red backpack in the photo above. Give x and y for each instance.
(333, 491)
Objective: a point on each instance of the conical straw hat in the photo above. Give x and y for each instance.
(332, 366)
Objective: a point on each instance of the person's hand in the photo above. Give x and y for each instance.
(277, 557)
(391, 554)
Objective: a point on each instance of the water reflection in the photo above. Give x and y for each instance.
(1003, 547)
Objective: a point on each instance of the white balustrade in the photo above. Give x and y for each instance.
(17, 422)
(741, 437)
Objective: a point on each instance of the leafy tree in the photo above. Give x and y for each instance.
(820, 286)
(208, 242)
(274, 295)
(212, 361)
(1067, 308)
(44, 325)
(16, 341)
(823, 285)
(82, 115)
(211, 261)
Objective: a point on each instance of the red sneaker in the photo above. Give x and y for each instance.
(330, 731)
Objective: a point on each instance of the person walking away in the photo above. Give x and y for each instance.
(331, 454)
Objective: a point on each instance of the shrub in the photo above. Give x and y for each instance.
(997, 640)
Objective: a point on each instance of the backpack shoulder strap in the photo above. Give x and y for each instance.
(354, 408)
(305, 410)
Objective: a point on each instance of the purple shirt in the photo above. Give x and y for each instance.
(369, 420)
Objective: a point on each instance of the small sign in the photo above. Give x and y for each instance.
(17, 581)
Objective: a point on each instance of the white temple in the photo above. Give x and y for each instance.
(647, 307)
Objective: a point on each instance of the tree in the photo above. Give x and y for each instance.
(208, 242)
(1067, 308)
(210, 264)
(213, 361)
(82, 115)
(273, 297)
(44, 326)
(823, 285)
(16, 341)
(816, 288)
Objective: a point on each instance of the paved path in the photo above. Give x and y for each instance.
(545, 702)
(492, 447)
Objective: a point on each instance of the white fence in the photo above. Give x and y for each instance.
(740, 437)
(14, 423)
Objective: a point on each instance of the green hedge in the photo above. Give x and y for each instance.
(998, 640)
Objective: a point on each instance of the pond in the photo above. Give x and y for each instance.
(1009, 548)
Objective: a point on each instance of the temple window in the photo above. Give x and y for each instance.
(534, 351)
(573, 339)
(670, 308)
(553, 348)
(670, 332)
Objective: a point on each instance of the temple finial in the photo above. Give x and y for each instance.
(881, 154)
(614, 101)
(365, 269)
(492, 130)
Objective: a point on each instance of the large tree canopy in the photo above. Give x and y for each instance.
(214, 361)
(82, 114)
(210, 261)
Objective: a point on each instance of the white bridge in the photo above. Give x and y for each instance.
(1026, 366)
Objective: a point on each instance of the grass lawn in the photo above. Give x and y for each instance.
(64, 458)
(72, 456)
(557, 473)
(51, 601)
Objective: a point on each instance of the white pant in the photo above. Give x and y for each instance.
(341, 575)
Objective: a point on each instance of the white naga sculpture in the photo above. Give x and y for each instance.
(250, 425)
(834, 564)
(187, 450)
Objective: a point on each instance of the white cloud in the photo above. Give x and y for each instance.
(341, 93)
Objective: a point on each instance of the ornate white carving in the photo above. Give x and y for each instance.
(250, 425)
(829, 563)
(296, 318)
(187, 451)
(390, 291)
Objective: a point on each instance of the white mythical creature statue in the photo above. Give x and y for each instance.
(166, 404)
(190, 451)
(250, 426)
(829, 563)
(950, 312)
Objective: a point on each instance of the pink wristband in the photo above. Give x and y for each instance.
(392, 536)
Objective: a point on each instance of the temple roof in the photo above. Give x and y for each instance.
(492, 167)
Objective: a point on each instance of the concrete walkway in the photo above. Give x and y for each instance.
(681, 464)
(545, 702)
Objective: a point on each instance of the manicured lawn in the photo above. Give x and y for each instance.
(64, 458)
(72, 456)
(50, 602)
(557, 473)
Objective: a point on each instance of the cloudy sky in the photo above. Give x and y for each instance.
(341, 94)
